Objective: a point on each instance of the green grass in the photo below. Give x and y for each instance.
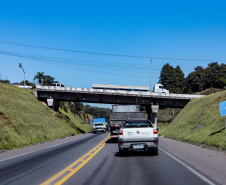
(167, 115)
(77, 122)
(198, 121)
(24, 120)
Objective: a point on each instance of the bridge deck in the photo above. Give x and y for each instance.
(118, 92)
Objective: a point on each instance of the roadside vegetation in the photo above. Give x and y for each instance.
(199, 122)
(213, 76)
(81, 110)
(79, 122)
(24, 120)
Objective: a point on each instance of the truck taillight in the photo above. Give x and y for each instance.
(155, 131)
(120, 132)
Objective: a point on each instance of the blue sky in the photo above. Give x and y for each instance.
(163, 29)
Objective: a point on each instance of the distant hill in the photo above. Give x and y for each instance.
(199, 122)
(24, 120)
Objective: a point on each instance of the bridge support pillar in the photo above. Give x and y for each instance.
(54, 104)
(152, 113)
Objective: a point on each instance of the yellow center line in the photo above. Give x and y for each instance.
(62, 178)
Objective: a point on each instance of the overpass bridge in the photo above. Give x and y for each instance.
(53, 95)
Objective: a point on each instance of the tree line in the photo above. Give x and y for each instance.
(41, 78)
(213, 76)
(44, 79)
(81, 109)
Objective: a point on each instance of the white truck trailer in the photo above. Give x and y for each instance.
(122, 113)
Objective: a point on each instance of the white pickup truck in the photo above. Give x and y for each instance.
(138, 135)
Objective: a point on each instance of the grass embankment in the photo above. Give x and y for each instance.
(167, 115)
(199, 122)
(78, 122)
(24, 120)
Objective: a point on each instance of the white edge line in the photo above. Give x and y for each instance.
(42, 149)
(189, 168)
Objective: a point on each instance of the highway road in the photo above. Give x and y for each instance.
(72, 162)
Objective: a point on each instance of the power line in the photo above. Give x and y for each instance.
(54, 60)
(51, 62)
(109, 54)
(99, 64)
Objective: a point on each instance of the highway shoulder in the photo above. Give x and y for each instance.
(210, 162)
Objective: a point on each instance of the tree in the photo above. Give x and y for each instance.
(220, 82)
(4, 81)
(179, 80)
(172, 78)
(39, 77)
(48, 80)
(27, 83)
(195, 80)
(44, 79)
(214, 76)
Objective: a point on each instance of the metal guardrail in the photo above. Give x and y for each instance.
(117, 92)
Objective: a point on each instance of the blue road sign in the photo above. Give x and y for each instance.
(223, 108)
(98, 120)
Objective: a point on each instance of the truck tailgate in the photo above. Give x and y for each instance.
(138, 133)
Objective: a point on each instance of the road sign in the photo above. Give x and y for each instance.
(223, 108)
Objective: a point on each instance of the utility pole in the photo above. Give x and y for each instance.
(20, 65)
(150, 74)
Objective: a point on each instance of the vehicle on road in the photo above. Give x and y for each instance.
(58, 85)
(25, 86)
(100, 121)
(99, 127)
(121, 113)
(160, 89)
(120, 87)
(138, 135)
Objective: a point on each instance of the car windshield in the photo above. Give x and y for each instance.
(137, 124)
(98, 124)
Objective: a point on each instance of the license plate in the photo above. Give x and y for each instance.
(138, 146)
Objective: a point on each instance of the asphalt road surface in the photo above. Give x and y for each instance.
(104, 167)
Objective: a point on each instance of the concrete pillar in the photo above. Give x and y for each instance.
(54, 104)
(152, 113)
(154, 119)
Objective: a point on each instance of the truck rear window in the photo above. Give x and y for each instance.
(137, 124)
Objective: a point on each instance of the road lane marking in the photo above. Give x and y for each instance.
(189, 168)
(66, 173)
